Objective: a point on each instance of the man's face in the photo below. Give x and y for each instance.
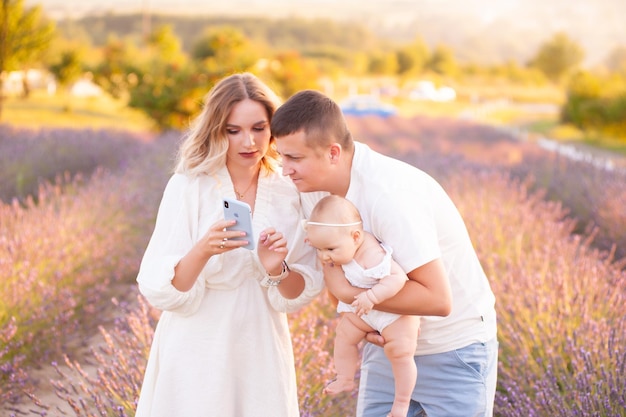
(308, 168)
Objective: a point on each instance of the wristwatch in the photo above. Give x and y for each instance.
(274, 280)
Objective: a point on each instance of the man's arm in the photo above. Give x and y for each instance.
(426, 293)
(389, 286)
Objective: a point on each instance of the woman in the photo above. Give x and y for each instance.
(222, 345)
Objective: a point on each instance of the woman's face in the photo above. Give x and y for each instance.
(248, 131)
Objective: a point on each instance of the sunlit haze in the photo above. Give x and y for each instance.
(466, 24)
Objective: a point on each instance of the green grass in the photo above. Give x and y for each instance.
(43, 110)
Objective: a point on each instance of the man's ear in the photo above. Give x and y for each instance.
(335, 152)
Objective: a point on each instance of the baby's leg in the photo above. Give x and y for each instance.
(350, 331)
(400, 343)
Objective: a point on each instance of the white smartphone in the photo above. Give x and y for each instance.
(240, 211)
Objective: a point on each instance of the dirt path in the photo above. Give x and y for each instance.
(46, 401)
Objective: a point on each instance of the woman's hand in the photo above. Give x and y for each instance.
(272, 250)
(215, 241)
(218, 240)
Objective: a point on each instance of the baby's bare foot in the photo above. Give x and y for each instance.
(338, 386)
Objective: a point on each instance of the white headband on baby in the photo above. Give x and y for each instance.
(306, 223)
(332, 224)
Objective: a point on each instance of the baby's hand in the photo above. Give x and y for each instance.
(362, 304)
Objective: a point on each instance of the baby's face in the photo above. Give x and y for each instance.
(334, 245)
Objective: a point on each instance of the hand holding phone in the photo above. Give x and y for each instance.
(242, 213)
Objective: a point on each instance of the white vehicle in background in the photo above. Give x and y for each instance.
(426, 90)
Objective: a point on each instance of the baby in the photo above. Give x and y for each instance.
(335, 230)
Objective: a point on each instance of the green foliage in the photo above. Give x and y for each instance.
(521, 75)
(596, 104)
(332, 61)
(68, 68)
(117, 71)
(169, 87)
(383, 63)
(304, 48)
(442, 61)
(412, 58)
(281, 34)
(166, 44)
(26, 34)
(170, 94)
(225, 49)
(288, 73)
(558, 56)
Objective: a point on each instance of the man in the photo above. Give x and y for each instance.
(404, 207)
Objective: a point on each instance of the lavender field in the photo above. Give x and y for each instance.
(78, 208)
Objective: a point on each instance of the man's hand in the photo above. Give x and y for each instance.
(375, 338)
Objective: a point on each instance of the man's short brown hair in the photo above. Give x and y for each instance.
(317, 115)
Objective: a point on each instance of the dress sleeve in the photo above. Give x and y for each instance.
(170, 241)
(302, 259)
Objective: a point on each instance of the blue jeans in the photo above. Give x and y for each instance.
(459, 383)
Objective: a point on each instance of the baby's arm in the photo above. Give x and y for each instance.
(386, 288)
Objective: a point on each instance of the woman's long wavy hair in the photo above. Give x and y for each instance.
(203, 150)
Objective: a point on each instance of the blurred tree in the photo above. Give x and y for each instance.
(585, 84)
(169, 89)
(67, 70)
(225, 49)
(24, 34)
(383, 63)
(171, 93)
(118, 68)
(164, 84)
(288, 72)
(519, 74)
(165, 45)
(331, 60)
(557, 57)
(412, 58)
(596, 103)
(443, 62)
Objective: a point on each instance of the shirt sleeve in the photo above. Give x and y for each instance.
(405, 222)
(302, 259)
(170, 241)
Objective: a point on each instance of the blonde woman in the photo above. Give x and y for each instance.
(222, 345)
